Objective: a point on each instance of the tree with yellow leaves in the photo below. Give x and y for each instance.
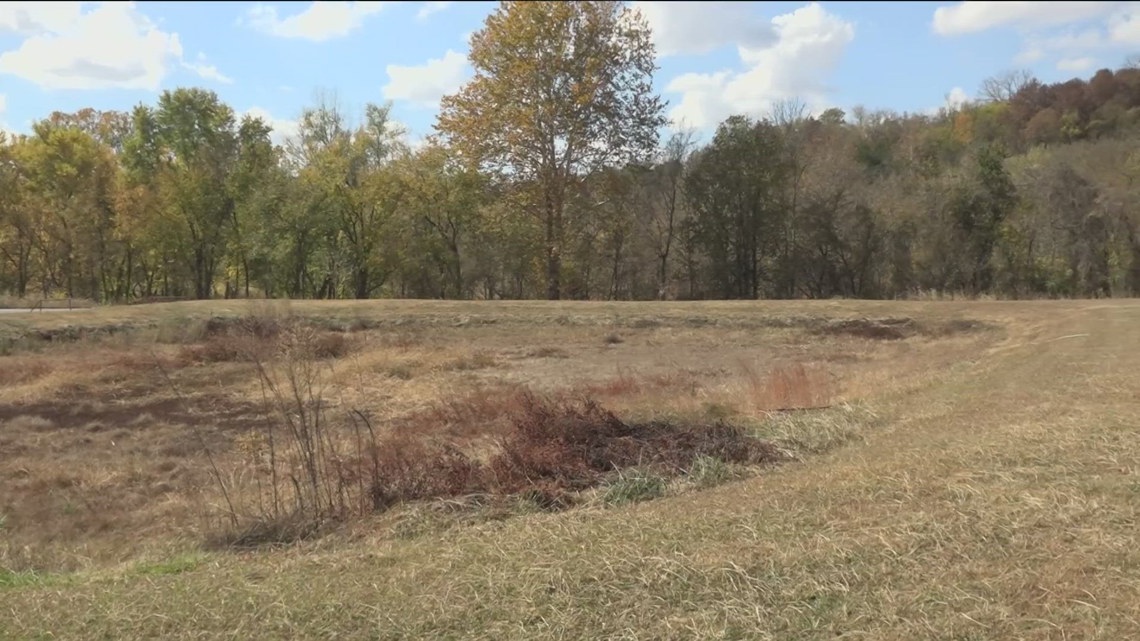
(561, 89)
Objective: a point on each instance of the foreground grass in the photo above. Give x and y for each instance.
(997, 502)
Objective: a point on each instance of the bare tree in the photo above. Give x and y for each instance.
(788, 112)
(1004, 86)
(664, 202)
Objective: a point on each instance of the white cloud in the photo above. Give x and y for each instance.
(701, 27)
(1076, 64)
(207, 71)
(1029, 55)
(283, 128)
(5, 128)
(430, 8)
(111, 45)
(1067, 32)
(1124, 27)
(957, 97)
(808, 46)
(35, 18)
(974, 17)
(425, 84)
(321, 21)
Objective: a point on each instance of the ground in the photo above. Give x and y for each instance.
(955, 470)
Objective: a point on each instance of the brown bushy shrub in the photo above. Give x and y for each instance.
(329, 345)
(253, 338)
(320, 472)
(409, 470)
(790, 387)
(574, 445)
(482, 411)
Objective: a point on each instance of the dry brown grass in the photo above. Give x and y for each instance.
(422, 378)
(971, 501)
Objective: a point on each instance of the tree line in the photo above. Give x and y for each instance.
(546, 177)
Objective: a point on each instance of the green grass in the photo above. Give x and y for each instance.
(10, 580)
(709, 471)
(176, 565)
(634, 486)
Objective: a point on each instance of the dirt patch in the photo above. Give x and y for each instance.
(890, 329)
(102, 413)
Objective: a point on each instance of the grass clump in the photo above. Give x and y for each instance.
(10, 579)
(709, 471)
(634, 486)
(802, 433)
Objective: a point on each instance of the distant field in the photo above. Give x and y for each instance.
(829, 469)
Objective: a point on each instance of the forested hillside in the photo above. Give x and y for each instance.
(548, 178)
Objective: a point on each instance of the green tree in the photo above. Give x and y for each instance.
(17, 235)
(735, 189)
(978, 209)
(255, 185)
(340, 228)
(71, 181)
(187, 148)
(444, 202)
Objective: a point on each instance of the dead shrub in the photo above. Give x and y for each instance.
(624, 384)
(306, 469)
(553, 449)
(409, 469)
(789, 387)
(261, 326)
(574, 445)
(15, 370)
(627, 384)
(226, 340)
(330, 345)
(253, 338)
(485, 410)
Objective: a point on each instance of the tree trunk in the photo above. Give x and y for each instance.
(553, 251)
(361, 283)
(457, 272)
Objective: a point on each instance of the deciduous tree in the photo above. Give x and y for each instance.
(560, 89)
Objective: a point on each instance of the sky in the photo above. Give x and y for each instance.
(716, 58)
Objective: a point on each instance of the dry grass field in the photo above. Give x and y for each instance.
(398, 469)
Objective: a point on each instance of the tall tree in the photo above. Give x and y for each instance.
(187, 147)
(255, 199)
(735, 189)
(560, 90)
(444, 200)
(17, 234)
(72, 179)
(663, 207)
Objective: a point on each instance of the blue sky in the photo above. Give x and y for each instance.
(716, 58)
